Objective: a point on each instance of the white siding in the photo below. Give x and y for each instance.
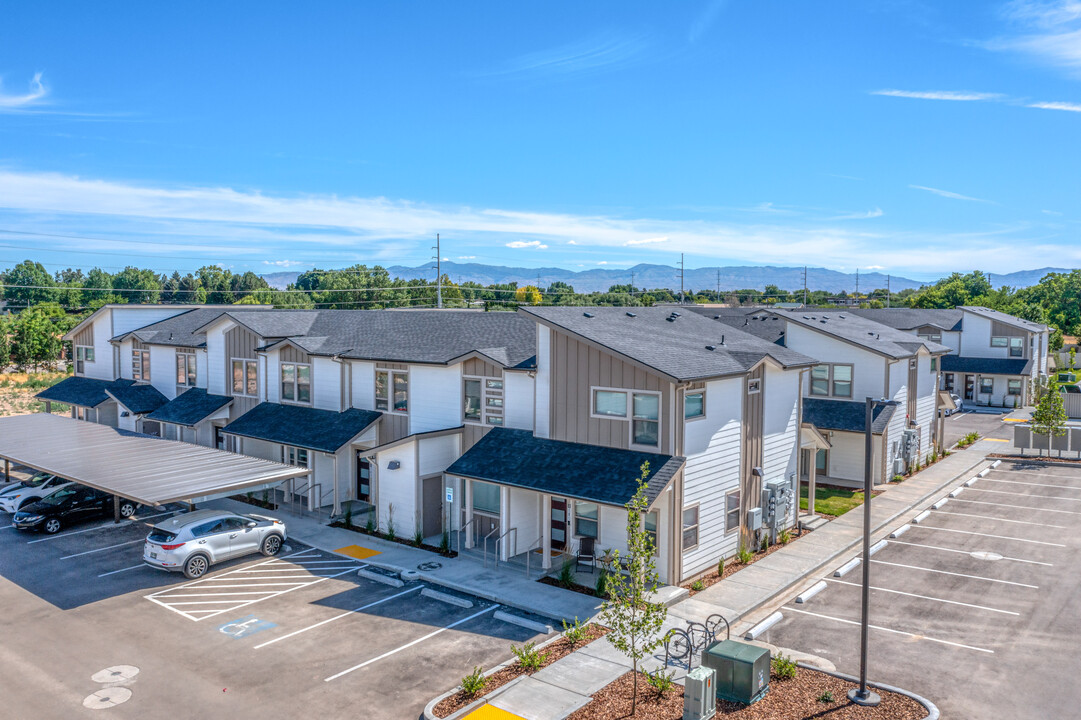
(846, 456)
(976, 338)
(323, 464)
(363, 384)
(435, 398)
(896, 428)
(272, 376)
(952, 340)
(125, 423)
(397, 488)
(326, 384)
(126, 319)
(518, 400)
(542, 392)
(264, 450)
(200, 369)
(525, 515)
(780, 441)
(125, 360)
(102, 367)
(215, 351)
(868, 371)
(437, 453)
(163, 370)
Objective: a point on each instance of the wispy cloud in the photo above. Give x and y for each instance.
(705, 20)
(1068, 107)
(957, 95)
(645, 241)
(1050, 32)
(604, 52)
(283, 263)
(1051, 212)
(467, 257)
(947, 194)
(535, 244)
(869, 214)
(33, 97)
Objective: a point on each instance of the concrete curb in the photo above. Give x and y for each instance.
(380, 578)
(522, 622)
(932, 709)
(447, 598)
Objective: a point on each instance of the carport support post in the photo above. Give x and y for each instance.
(116, 508)
(7, 471)
(863, 695)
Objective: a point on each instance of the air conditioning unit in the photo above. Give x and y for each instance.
(742, 670)
(899, 466)
(700, 695)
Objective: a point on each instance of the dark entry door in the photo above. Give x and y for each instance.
(433, 505)
(364, 479)
(970, 387)
(559, 523)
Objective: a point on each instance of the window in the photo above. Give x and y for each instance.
(948, 381)
(482, 400)
(609, 403)
(296, 383)
(245, 378)
(1013, 387)
(690, 527)
(493, 402)
(185, 369)
(83, 354)
(385, 382)
(1017, 347)
(485, 497)
(934, 364)
(646, 426)
(987, 385)
(649, 522)
(382, 390)
(731, 511)
(140, 365)
(471, 400)
(295, 456)
(694, 405)
(913, 364)
(401, 392)
(754, 386)
(842, 380)
(999, 342)
(932, 336)
(585, 519)
(820, 380)
(495, 420)
(493, 384)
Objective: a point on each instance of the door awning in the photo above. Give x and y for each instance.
(145, 469)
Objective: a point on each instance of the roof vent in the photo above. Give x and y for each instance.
(746, 322)
(589, 315)
(630, 314)
(675, 314)
(710, 347)
(671, 318)
(823, 320)
(722, 339)
(842, 316)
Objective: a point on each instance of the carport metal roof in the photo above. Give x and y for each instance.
(138, 467)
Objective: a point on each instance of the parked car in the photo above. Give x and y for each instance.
(190, 543)
(958, 402)
(68, 505)
(14, 496)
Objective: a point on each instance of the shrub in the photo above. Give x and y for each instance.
(575, 633)
(601, 587)
(826, 697)
(783, 667)
(897, 478)
(391, 533)
(785, 536)
(744, 555)
(566, 574)
(418, 537)
(765, 543)
(474, 682)
(369, 526)
(698, 586)
(933, 458)
(348, 519)
(528, 657)
(720, 567)
(660, 680)
(444, 542)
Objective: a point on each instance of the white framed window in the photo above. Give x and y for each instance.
(829, 380)
(1013, 387)
(842, 381)
(185, 369)
(694, 405)
(999, 341)
(295, 456)
(1017, 347)
(482, 400)
(934, 364)
(296, 383)
(83, 355)
(140, 365)
(731, 511)
(690, 527)
(820, 380)
(485, 497)
(471, 400)
(649, 524)
(987, 385)
(933, 337)
(754, 385)
(245, 377)
(610, 403)
(586, 519)
(392, 391)
(646, 423)
(913, 363)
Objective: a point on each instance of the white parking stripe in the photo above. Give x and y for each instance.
(955, 574)
(890, 630)
(411, 644)
(103, 549)
(6, 527)
(1017, 507)
(114, 572)
(1019, 482)
(1026, 495)
(989, 517)
(966, 552)
(999, 537)
(217, 594)
(927, 597)
(337, 617)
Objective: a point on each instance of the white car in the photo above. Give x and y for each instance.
(958, 402)
(30, 490)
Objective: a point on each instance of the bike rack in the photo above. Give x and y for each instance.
(683, 645)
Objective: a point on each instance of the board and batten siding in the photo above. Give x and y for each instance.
(780, 431)
(85, 337)
(579, 367)
(239, 343)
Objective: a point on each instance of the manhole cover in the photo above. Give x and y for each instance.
(983, 555)
(115, 674)
(429, 566)
(107, 698)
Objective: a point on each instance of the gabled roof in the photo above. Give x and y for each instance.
(190, 408)
(986, 366)
(949, 319)
(81, 391)
(304, 427)
(575, 470)
(139, 399)
(862, 332)
(845, 415)
(675, 342)
(757, 321)
(1004, 318)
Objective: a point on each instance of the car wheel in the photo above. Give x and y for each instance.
(272, 544)
(51, 526)
(196, 566)
(127, 509)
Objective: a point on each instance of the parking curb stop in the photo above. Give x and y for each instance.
(811, 592)
(878, 546)
(900, 531)
(957, 492)
(763, 626)
(522, 622)
(380, 578)
(938, 505)
(446, 598)
(921, 517)
(847, 567)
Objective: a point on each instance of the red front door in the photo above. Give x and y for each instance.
(559, 523)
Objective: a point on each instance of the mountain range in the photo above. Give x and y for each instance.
(665, 276)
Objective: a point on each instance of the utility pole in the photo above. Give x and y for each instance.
(857, 283)
(681, 278)
(632, 282)
(887, 291)
(718, 285)
(805, 285)
(438, 274)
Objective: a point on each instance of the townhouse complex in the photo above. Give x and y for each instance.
(526, 432)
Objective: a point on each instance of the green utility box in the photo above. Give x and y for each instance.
(742, 670)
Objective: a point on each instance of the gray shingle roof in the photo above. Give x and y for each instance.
(304, 427)
(676, 347)
(845, 415)
(911, 318)
(986, 366)
(179, 330)
(81, 391)
(1004, 318)
(190, 408)
(576, 470)
(139, 399)
(861, 331)
(757, 321)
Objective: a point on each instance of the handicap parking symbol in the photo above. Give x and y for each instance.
(245, 626)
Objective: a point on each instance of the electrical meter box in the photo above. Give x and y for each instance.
(742, 670)
(700, 695)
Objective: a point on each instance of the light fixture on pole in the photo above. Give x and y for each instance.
(863, 695)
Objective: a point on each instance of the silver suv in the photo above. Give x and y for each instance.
(192, 542)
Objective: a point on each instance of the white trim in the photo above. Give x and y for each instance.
(231, 386)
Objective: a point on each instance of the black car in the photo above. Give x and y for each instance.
(69, 505)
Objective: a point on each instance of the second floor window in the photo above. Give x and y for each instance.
(246, 378)
(392, 390)
(482, 400)
(820, 380)
(1017, 347)
(296, 383)
(694, 405)
(83, 355)
(185, 369)
(140, 365)
(641, 408)
(831, 380)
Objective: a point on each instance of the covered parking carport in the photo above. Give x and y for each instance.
(140, 468)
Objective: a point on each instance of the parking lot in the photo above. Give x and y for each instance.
(975, 607)
(86, 625)
(987, 424)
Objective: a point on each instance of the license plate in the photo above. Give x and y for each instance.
(153, 556)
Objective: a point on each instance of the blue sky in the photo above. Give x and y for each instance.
(913, 137)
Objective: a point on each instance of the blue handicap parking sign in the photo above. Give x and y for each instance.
(245, 626)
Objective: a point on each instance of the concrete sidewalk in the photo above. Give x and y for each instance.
(464, 574)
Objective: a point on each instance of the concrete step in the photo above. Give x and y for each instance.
(811, 522)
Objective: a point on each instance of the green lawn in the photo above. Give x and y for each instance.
(830, 500)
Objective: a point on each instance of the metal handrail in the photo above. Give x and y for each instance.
(485, 548)
(499, 539)
(462, 530)
(529, 553)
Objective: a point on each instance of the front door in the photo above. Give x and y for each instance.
(364, 479)
(821, 463)
(970, 387)
(559, 523)
(432, 510)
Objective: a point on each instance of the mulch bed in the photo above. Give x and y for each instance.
(399, 540)
(557, 650)
(573, 587)
(795, 699)
(735, 566)
(1037, 459)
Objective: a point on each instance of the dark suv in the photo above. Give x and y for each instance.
(69, 505)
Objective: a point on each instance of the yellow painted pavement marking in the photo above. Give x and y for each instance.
(1015, 419)
(358, 552)
(995, 440)
(491, 712)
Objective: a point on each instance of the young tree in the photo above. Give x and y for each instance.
(528, 295)
(635, 620)
(1049, 418)
(5, 342)
(35, 339)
